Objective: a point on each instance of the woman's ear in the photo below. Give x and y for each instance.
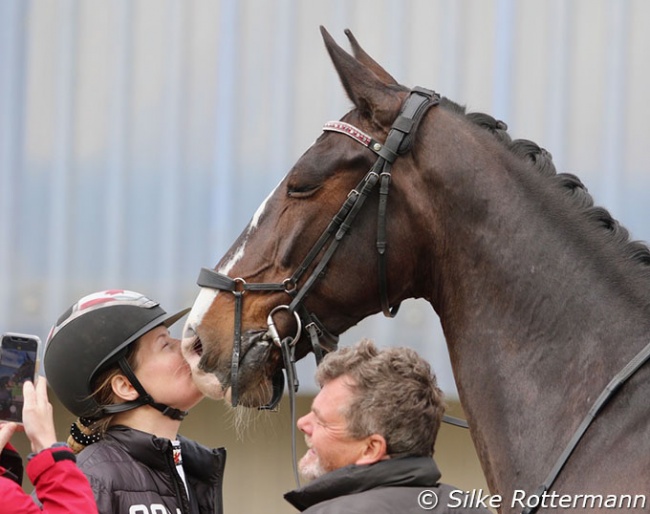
(123, 388)
(373, 451)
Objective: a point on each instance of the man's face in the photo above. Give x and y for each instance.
(326, 434)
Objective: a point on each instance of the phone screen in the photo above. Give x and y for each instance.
(18, 355)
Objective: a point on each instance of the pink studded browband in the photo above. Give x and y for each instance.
(348, 130)
(361, 137)
(353, 132)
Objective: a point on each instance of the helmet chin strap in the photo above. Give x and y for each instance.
(144, 398)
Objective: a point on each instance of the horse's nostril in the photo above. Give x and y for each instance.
(198, 347)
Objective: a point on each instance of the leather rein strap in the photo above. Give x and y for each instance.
(612, 388)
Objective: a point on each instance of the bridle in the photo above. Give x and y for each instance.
(398, 141)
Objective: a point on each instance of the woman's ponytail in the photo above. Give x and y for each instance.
(83, 432)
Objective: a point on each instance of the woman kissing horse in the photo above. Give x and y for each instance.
(542, 297)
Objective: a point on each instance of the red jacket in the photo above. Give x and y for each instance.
(60, 486)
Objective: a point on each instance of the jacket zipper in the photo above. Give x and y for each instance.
(181, 495)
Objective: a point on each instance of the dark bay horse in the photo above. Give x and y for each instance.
(541, 295)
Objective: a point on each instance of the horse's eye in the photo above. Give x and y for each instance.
(302, 191)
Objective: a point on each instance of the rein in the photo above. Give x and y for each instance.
(612, 388)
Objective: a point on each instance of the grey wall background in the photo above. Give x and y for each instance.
(137, 138)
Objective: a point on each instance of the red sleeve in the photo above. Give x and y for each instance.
(60, 485)
(14, 499)
(11, 464)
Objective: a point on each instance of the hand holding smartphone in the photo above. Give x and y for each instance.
(18, 360)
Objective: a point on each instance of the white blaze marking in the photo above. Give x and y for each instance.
(208, 382)
(239, 253)
(201, 305)
(260, 210)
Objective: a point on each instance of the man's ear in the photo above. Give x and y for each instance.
(123, 388)
(374, 450)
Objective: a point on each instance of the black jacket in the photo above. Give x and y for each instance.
(129, 468)
(401, 485)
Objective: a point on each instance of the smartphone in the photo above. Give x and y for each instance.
(18, 363)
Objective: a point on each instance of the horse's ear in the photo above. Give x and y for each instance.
(372, 97)
(361, 56)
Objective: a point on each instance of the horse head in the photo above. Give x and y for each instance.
(305, 250)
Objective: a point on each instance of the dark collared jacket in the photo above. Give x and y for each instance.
(401, 485)
(133, 471)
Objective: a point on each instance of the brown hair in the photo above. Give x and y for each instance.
(394, 393)
(85, 431)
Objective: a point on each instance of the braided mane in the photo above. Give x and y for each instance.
(542, 161)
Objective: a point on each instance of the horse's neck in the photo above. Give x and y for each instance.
(536, 327)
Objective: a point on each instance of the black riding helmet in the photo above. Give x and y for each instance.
(94, 334)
